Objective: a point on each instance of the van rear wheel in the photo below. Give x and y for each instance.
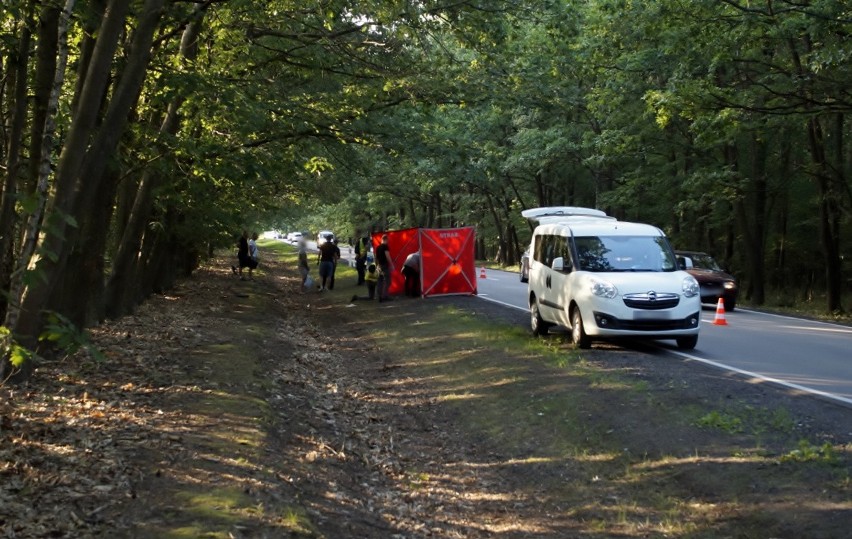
(537, 323)
(578, 333)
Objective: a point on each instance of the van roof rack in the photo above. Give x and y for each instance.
(556, 212)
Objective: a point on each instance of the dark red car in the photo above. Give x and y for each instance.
(712, 279)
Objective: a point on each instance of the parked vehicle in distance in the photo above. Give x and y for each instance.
(525, 266)
(294, 237)
(715, 283)
(324, 236)
(604, 278)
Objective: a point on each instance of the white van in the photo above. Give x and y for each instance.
(324, 236)
(605, 278)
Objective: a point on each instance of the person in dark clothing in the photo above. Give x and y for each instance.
(384, 261)
(336, 260)
(243, 257)
(304, 269)
(362, 247)
(327, 252)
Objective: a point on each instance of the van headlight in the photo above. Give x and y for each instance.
(690, 287)
(604, 289)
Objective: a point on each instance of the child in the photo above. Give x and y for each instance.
(371, 278)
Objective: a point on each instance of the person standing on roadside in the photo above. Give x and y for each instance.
(304, 269)
(253, 254)
(384, 261)
(362, 247)
(243, 258)
(326, 256)
(336, 260)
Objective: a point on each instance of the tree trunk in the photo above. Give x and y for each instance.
(759, 212)
(498, 225)
(830, 214)
(779, 278)
(86, 264)
(119, 296)
(830, 183)
(68, 178)
(753, 229)
(34, 222)
(47, 57)
(17, 84)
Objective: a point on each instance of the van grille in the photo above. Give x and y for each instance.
(651, 301)
(607, 321)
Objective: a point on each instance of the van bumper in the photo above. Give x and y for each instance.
(606, 325)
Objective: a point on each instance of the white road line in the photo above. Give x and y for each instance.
(757, 376)
(486, 298)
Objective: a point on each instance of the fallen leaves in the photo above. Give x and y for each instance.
(80, 439)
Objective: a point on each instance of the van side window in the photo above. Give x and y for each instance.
(563, 250)
(543, 249)
(549, 249)
(538, 249)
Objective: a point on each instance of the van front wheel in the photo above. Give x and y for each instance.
(687, 343)
(578, 333)
(539, 326)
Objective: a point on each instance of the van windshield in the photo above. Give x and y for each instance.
(624, 253)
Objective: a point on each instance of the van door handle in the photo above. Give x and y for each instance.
(547, 281)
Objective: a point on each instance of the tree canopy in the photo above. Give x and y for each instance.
(139, 136)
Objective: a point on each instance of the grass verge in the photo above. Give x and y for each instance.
(647, 454)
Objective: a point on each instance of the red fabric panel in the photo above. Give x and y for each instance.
(401, 244)
(447, 261)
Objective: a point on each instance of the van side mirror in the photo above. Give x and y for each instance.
(558, 264)
(684, 262)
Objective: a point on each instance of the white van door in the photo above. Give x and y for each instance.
(552, 284)
(539, 274)
(561, 284)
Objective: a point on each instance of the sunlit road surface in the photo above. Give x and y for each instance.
(803, 355)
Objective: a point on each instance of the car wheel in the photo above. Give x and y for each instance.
(729, 308)
(537, 323)
(687, 343)
(578, 333)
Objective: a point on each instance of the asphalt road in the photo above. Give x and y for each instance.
(804, 355)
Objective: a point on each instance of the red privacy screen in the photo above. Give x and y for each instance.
(447, 264)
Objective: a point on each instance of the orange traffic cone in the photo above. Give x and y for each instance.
(482, 273)
(720, 314)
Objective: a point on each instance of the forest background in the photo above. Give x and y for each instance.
(140, 136)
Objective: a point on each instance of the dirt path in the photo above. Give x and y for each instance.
(232, 408)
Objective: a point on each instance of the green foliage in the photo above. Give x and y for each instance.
(64, 335)
(808, 452)
(746, 418)
(721, 421)
(9, 348)
(305, 115)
